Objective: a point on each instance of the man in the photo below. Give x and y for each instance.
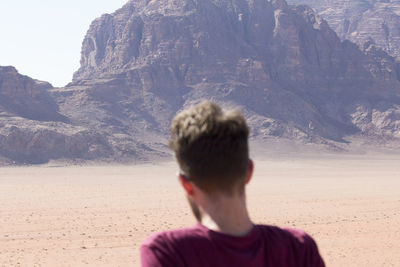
(211, 148)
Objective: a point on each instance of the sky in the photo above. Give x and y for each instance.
(43, 38)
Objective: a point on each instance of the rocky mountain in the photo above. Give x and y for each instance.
(282, 65)
(162, 55)
(32, 129)
(362, 21)
(26, 97)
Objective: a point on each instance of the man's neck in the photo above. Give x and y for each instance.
(228, 215)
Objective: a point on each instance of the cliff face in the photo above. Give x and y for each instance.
(289, 72)
(363, 21)
(283, 64)
(26, 97)
(32, 130)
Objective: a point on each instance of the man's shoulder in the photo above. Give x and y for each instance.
(171, 248)
(292, 240)
(176, 236)
(273, 244)
(283, 233)
(197, 233)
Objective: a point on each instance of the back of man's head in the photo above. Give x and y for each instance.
(211, 147)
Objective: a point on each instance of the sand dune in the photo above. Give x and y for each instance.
(98, 216)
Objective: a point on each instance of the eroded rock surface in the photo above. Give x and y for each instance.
(32, 129)
(363, 21)
(282, 65)
(23, 96)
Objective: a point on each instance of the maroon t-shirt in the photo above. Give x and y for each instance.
(198, 246)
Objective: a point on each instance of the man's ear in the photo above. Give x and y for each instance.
(187, 185)
(250, 171)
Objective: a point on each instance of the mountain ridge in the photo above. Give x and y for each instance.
(288, 71)
(363, 21)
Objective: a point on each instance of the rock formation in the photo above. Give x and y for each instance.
(153, 57)
(32, 130)
(282, 65)
(362, 21)
(25, 97)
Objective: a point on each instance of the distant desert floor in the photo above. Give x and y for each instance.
(98, 216)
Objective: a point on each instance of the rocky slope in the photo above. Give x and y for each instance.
(288, 71)
(157, 56)
(32, 129)
(363, 21)
(26, 97)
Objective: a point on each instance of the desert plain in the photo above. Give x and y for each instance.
(99, 215)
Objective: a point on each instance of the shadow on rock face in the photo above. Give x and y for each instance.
(42, 109)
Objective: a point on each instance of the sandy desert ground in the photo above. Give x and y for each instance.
(98, 216)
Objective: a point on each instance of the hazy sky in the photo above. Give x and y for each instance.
(43, 38)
